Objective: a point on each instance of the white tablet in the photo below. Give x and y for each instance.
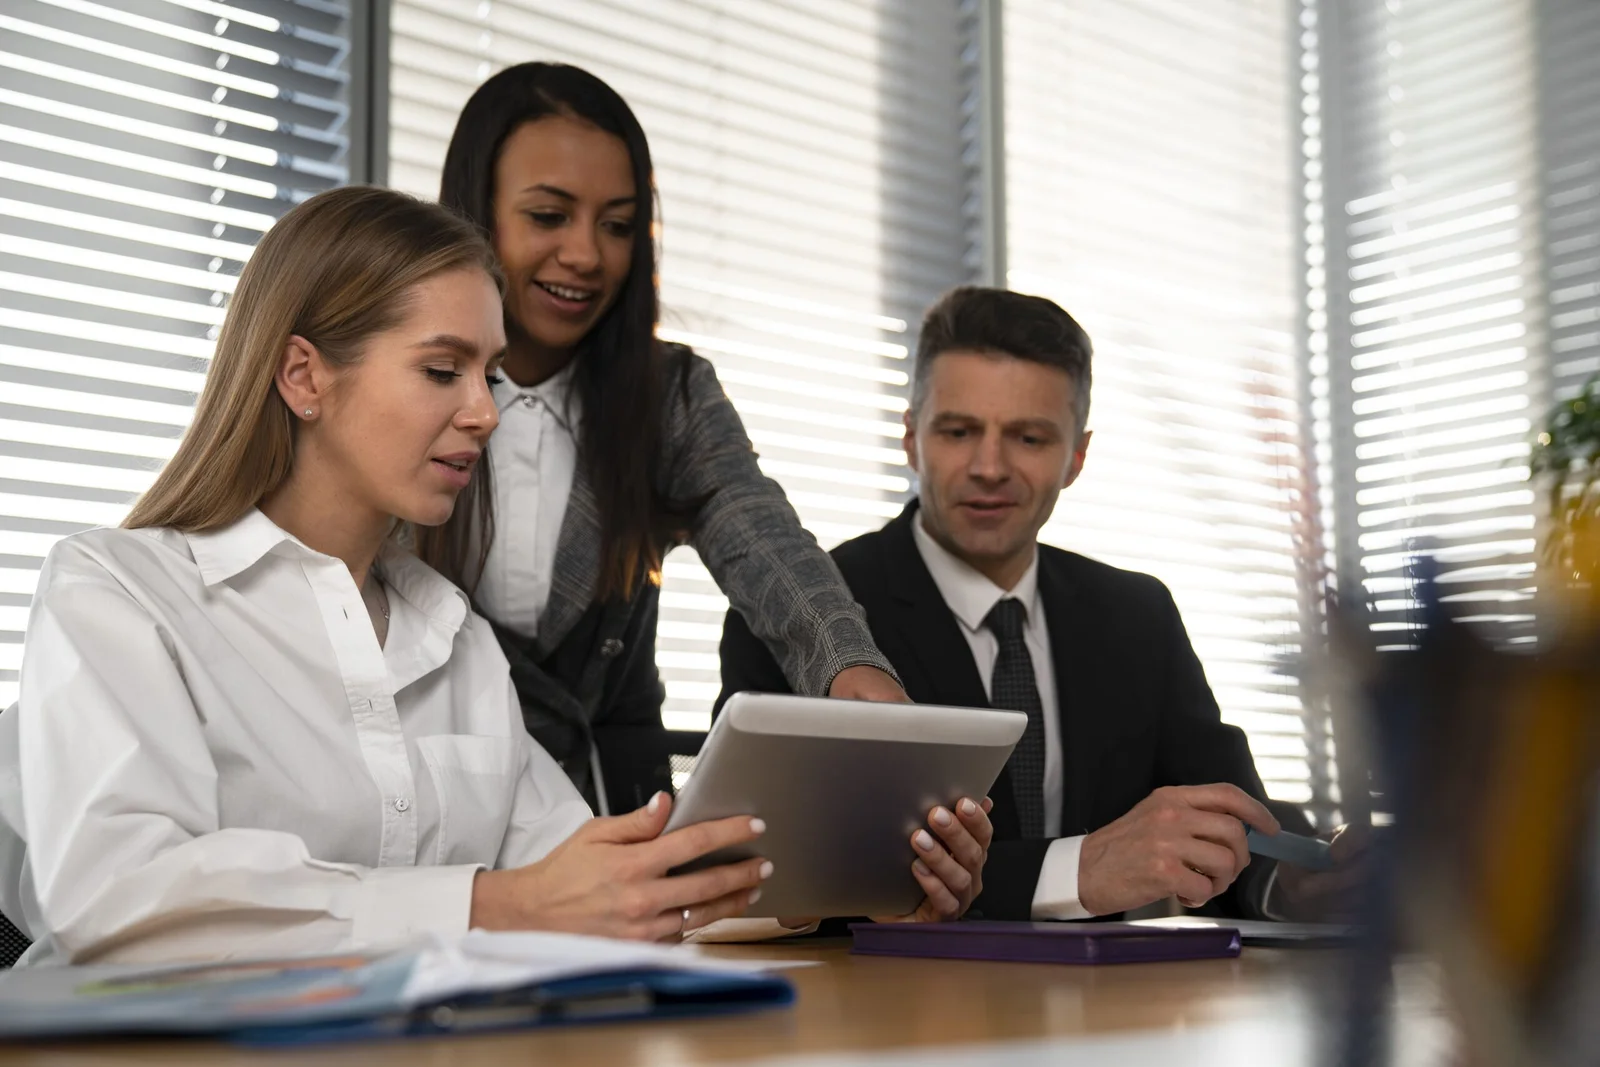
(842, 785)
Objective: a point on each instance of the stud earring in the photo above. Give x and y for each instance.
(310, 414)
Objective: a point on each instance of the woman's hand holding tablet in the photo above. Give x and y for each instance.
(950, 867)
(610, 879)
(952, 874)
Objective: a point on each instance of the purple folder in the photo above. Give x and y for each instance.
(1024, 942)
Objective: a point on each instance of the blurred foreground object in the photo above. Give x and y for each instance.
(1488, 761)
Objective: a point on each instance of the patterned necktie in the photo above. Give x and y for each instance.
(1015, 688)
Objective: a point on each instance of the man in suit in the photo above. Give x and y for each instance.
(1127, 788)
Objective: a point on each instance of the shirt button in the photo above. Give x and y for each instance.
(527, 401)
(402, 805)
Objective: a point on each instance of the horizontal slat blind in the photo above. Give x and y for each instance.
(1569, 123)
(1434, 329)
(808, 162)
(145, 146)
(1150, 174)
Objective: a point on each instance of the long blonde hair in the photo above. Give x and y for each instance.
(335, 270)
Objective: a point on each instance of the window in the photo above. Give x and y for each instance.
(808, 159)
(1150, 191)
(1336, 258)
(1569, 122)
(1426, 300)
(147, 145)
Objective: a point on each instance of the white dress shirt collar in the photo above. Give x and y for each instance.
(555, 393)
(228, 551)
(970, 594)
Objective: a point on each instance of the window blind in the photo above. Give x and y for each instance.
(145, 146)
(1426, 322)
(1151, 192)
(1569, 122)
(808, 159)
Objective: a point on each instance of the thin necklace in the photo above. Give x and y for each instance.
(380, 593)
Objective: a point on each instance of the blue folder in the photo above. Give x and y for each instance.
(343, 998)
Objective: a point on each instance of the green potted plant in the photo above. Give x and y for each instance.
(1566, 456)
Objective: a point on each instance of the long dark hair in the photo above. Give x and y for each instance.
(621, 370)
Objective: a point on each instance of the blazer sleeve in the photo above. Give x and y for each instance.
(771, 568)
(748, 666)
(1198, 748)
(1010, 879)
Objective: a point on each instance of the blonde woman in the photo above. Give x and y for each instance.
(249, 722)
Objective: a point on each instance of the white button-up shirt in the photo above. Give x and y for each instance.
(217, 758)
(970, 595)
(534, 457)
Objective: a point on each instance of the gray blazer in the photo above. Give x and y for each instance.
(589, 687)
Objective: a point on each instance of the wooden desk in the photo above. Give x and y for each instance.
(845, 1003)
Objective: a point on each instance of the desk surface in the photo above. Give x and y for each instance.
(846, 1003)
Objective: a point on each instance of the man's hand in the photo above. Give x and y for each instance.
(1300, 895)
(1184, 841)
(867, 683)
(610, 879)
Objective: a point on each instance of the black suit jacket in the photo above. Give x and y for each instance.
(1136, 713)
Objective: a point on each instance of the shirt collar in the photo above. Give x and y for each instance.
(555, 392)
(229, 550)
(423, 587)
(969, 593)
(442, 607)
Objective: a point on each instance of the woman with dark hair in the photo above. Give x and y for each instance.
(614, 447)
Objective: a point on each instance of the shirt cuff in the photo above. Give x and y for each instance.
(400, 905)
(1269, 903)
(1056, 894)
